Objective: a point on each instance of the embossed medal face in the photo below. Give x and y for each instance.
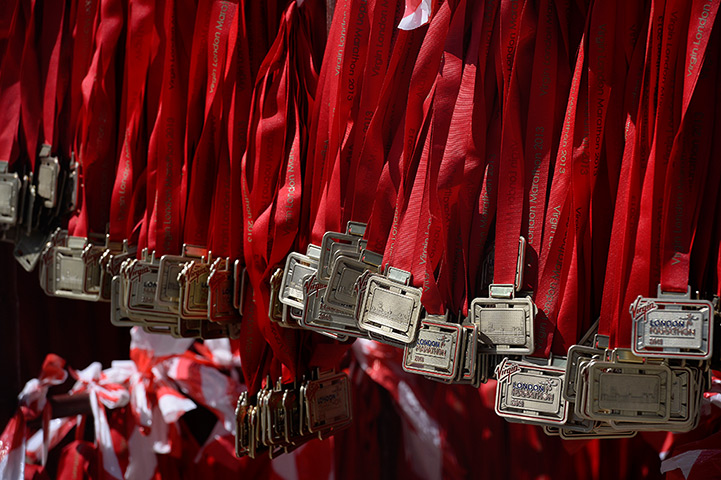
(328, 402)
(276, 418)
(334, 244)
(91, 258)
(681, 417)
(69, 270)
(9, 195)
(297, 267)
(341, 292)
(435, 351)
(48, 173)
(220, 296)
(575, 354)
(168, 292)
(674, 329)
(504, 326)
(194, 290)
(390, 309)
(118, 315)
(530, 392)
(632, 392)
(319, 316)
(142, 281)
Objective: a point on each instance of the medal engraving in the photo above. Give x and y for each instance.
(323, 318)
(435, 351)
(70, 273)
(390, 309)
(48, 173)
(9, 195)
(328, 403)
(504, 325)
(534, 392)
(672, 327)
(629, 392)
(530, 392)
(168, 292)
(625, 391)
(676, 329)
(194, 290)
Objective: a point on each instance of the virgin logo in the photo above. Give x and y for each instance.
(641, 307)
(505, 369)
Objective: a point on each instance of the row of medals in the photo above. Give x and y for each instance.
(338, 289)
(281, 417)
(191, 295)
(32, 204)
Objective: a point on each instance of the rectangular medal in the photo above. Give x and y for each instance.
(435, 351)
(626, 391)
(322, 318)
(505, 326)
(531, 392)
(328, 403)
(390, 309)
(297, 267)
(672, 327)
(193, 280)
(335, 243)
(220, 293)
(10, 185)
(48, 174)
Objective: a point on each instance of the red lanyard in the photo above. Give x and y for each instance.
(556, 251)
(454, 185)
(690, 153)
(407, 247)
(95, 136)
(383, 142)
(482, 181)
(509, 215)
(55, 74)
(271, 175)
(30, 87)
(85, 17)
(540, 132)
(574, 315)
(10, 89)
(239, 111)
(626, 207)
(165, 145)
(325, 197)
(210, 44)
(364, 171)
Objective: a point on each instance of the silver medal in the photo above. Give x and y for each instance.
(672, 326)
(527, 391)
(436, 350)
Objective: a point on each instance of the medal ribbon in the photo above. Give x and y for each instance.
(95, 136)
